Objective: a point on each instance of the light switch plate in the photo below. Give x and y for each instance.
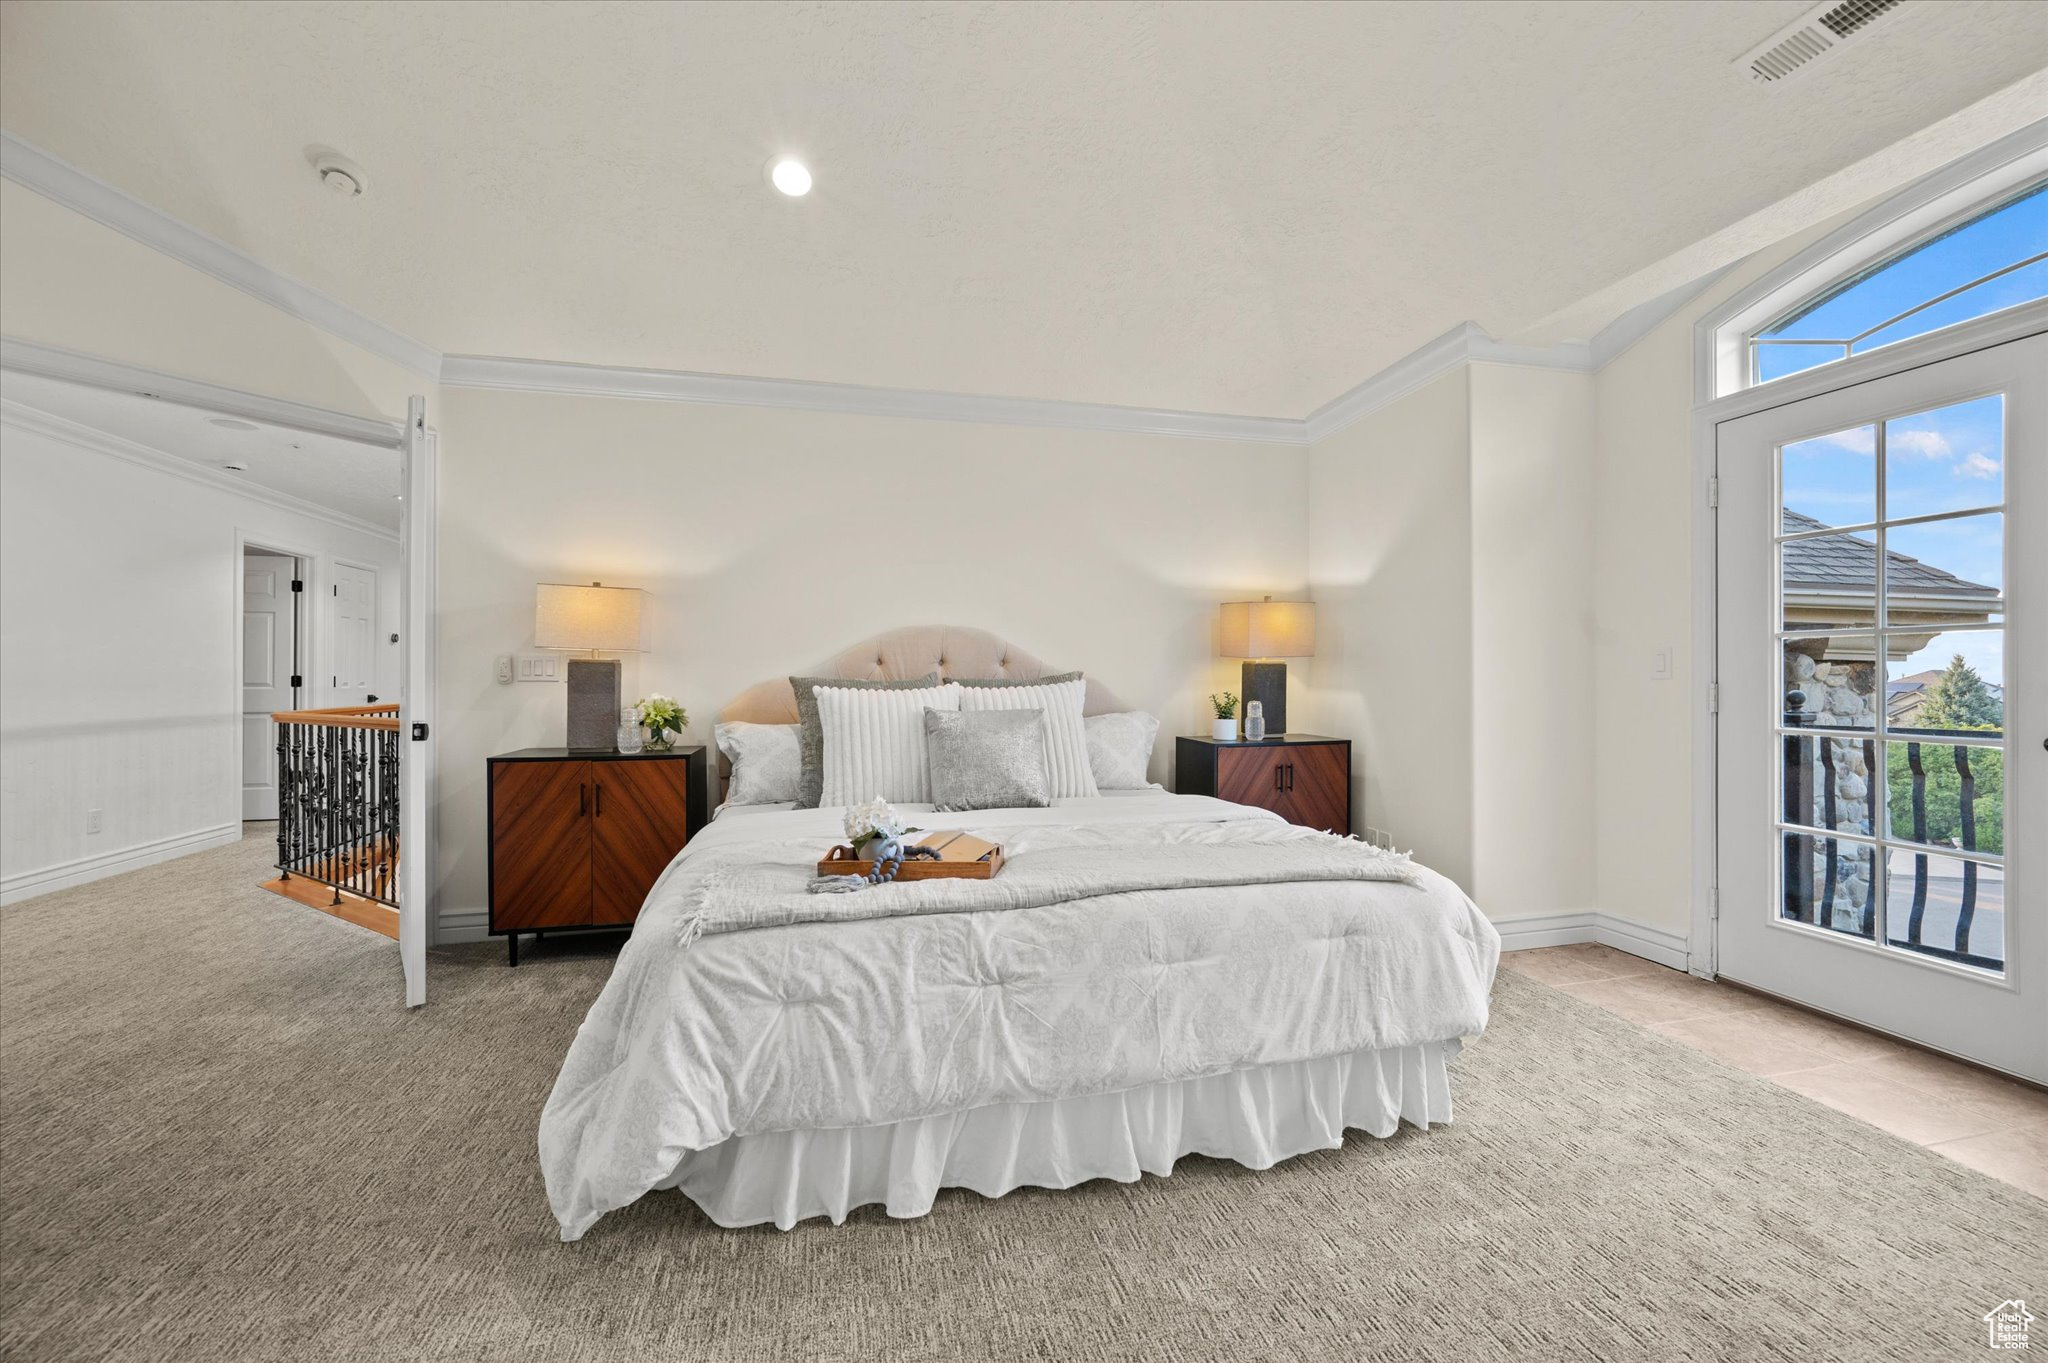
(503, 669)
(1660, 664)
(540, 667)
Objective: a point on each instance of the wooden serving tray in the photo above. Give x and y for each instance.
(840, 861)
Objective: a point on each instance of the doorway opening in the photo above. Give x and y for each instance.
(272, 645)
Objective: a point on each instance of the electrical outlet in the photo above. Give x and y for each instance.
(92, 820)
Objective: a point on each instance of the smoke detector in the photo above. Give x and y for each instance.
(1815, 34)
(343, 177)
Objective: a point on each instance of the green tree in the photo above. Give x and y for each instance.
(1942, 793)
(1959, 699)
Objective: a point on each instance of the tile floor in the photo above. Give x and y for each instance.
(1973, 1117)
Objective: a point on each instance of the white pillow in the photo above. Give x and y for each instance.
(766, 759)
(1120, 749)
(1066, 740)
(874, 743)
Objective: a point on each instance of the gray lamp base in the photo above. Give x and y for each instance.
(594, 703)
(1266, 683)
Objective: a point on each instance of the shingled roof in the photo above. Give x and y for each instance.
(1830, 563)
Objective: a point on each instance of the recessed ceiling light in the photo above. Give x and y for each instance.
(228, 423)
(790, 175)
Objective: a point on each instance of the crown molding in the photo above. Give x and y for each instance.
(1464, 344)
(33, 168)
(670, 385)
(54, 362)
(39, 422)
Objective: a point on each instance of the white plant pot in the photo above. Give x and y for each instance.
(1223, 730)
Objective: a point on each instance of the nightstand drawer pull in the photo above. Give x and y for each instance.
(582, 799)
(600, 799)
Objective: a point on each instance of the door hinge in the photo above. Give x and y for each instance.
(419, 733)
(1714, 491)
(297, 681)
(335, 590)
(1713, 698)
(1713, 903)
(297, 585)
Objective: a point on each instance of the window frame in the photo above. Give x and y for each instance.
(1928, 208)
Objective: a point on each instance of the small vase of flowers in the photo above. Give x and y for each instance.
(663, 719)
(871, 824)
(1224, 729)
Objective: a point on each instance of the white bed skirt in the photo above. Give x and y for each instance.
(1256, 1117)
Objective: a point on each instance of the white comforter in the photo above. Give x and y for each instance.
(877, 1021)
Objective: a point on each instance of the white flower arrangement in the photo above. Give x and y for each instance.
(663, 714)
(875, 819)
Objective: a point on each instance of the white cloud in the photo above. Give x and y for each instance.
(1858, 440)
(1927, 444)
(1977, 466)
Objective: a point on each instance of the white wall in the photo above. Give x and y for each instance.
(1390, 568)
(120, 634)
(1642, 600)
(769, 540)
(1533, 718)
(1450, 554)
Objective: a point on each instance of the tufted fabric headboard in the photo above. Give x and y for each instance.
(952, 651)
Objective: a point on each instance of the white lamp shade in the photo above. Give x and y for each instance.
(601, 619)
(1268, 629)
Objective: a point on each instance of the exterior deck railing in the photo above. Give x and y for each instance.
(337, 799)
(1817, 809)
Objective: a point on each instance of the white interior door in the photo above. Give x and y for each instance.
(1883, 734)
(353, 633)
(269, 649)
(415, 811)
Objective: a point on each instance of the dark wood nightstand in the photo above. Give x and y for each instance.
(579, 837)
(1304, 778)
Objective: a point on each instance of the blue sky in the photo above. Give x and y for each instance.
(2013, 233)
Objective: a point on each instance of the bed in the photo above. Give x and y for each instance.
(775, 1069)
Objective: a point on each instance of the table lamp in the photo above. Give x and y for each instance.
(599, 619)
(1262, 633)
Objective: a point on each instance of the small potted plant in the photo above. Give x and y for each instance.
(1224, 729)
(663, 719)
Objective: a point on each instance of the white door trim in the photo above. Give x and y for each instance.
(309, 566)
(2013, 324)
(418, 566)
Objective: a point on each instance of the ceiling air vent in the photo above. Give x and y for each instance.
(1818, 33)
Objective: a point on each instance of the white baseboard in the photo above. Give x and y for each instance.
(44, 880)
(461, 925)
(1623, 934)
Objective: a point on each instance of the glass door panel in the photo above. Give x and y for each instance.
(1873, 789)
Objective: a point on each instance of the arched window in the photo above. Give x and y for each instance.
(1962, 243)
(1995, 260)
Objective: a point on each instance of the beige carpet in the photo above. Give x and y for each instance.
(224, 1139)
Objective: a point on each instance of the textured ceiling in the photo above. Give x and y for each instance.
(362, 481)
(1238, 208)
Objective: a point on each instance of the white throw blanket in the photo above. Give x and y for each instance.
(862, 1023)
(734, 891)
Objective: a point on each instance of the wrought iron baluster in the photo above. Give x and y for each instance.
(1969, 815)
(1827, 797)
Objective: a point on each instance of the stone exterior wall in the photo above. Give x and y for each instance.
(1844, 694)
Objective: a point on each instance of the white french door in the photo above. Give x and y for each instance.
(1882, 747)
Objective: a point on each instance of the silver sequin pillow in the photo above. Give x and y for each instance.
(987, 759)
